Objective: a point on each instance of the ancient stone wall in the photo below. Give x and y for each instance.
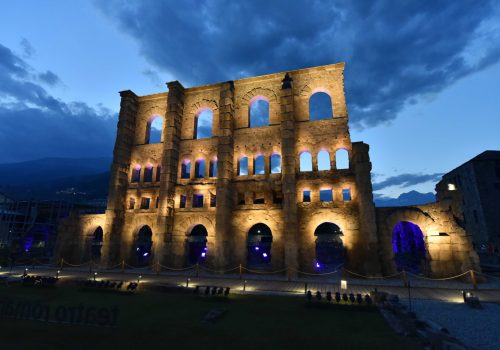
(288, 201)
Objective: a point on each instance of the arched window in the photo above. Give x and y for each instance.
(197, 245)
(243, 166)
(136, 174)
(143, 245)
(148, 173)
(199, 169)
(258, 165)
(306, 161)
(320, 106)
(323, 160)
(154, 130)
(158, 173)
(342, 159)
(97, 239)
(213, 168)
(186, 169)
(330, 252)
(275, 163)
(203, 124)
(409, 247)
(259, 243)
(258, 112)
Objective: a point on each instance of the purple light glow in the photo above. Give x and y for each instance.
(256, 248)
(203, 254)
(145, 254)
(264, 255)
(318, 265)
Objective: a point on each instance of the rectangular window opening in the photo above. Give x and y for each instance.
(197, 201)
(326, 195)
(306, 196)
(346, 194)
(182, 201)
(148, 174)
(145, 202)
(213, 200)
(131, 203)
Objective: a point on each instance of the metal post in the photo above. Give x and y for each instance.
(409, 294)
(305, 288)
(241, 272)
(473, 279)
(123, 266)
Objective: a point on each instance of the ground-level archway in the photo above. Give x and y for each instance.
(259, 243)
(330, 251)
(409, 247)
(143, 245)
(96, 243)
(197, 245)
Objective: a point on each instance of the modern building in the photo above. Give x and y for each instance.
(261, 172)
(475, 188)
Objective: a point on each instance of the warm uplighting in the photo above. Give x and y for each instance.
(343, 284)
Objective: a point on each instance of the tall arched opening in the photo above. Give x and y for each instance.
(259, 243)
(409, 247)
(96, 246)
(197, 245)
(330, 251)
(143, 245)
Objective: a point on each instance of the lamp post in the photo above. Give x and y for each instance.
(57, 274)
(139, 279)
(95, 275)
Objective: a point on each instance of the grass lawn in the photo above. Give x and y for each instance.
(158, 320)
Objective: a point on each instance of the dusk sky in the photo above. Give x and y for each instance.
(422, 78)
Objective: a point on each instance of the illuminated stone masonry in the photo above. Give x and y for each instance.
(261, 172)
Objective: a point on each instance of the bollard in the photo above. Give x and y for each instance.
(305, 288)
(187, 282)
(62, 264)
(241, 272)
(473, 279)
(245, 285)
(404, 278)
(123, 266)
(158, 268)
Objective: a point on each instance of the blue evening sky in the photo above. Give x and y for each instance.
(422, 78)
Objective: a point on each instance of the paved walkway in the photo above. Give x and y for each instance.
(277, 284)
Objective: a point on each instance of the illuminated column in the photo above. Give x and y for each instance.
(119, 179)
(225, 154)
(288, 173)
(169, 250)
(368, 260)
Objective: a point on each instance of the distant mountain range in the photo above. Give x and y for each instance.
(69, 179)
(86, 179)
(407, 198)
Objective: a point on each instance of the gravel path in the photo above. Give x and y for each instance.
(477, 328)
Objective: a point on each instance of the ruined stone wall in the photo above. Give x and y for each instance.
(448, 248)
(233, 203)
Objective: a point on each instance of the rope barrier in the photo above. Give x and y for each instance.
(439, 279)
(77, 265)
(487, 275)
(138, 268)
(176, 269)
(264, 272)
(218, 271)
(315, 274)
(372, 277)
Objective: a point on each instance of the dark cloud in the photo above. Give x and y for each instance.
(406, 180)
(34, 124)
(396, 52)
(49, 78)
(154, 77)
(27, 48)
